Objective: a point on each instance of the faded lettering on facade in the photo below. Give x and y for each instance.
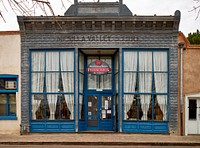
(97, 38)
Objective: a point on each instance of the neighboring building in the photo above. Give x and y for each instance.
(98, 67)
(10, 99)
(191, 88)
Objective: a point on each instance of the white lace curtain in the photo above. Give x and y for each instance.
(130, 64)
(160, 68)
(37, 79)
(67, 73)
(145, 80)
(52, 80)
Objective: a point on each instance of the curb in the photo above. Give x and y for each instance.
(106, 143)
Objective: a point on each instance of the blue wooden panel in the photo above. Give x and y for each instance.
(82, 125)
(38, 126)
(106, 125)
(52, 126)
(160, 126)
(145, 127)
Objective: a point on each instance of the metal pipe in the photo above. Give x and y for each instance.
(181, 46)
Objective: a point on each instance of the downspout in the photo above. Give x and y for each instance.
(181, 46)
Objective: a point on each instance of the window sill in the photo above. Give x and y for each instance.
(8, 118)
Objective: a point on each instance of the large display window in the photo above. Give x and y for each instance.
(52, 85)
(145, 85)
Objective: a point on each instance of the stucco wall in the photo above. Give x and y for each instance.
(190, 74)
(191, 69)
(10, 64)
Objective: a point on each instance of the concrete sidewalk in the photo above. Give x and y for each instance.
(99, 139)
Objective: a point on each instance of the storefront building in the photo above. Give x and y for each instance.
(10, 99)
(99, 68)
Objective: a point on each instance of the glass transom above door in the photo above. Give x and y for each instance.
(103, 81)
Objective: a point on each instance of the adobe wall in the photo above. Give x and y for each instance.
(10, 64)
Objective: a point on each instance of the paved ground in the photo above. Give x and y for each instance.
(99, 139)
(86, 146)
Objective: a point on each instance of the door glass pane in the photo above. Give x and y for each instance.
(106, 110)
(92, 105)
(2, 104)
(92, 111)
(192, 109)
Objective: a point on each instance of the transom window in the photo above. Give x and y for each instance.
(145, 82)
(52, 85)
(104, 81)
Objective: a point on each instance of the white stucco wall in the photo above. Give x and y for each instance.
(10, 64)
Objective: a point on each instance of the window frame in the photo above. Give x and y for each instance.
(152, 93)
(46, 93)
(9, 77)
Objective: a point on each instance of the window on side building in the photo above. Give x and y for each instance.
(8, 90)
(145, 84)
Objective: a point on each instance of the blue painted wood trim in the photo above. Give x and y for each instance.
(8, 118)
(145, 127)
(82, 125)
(52, 126)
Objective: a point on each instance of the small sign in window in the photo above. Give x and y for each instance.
(10, 84)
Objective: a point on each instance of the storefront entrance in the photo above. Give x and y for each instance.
(99, 112)
(98, 73)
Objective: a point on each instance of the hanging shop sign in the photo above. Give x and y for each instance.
(98, 67)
